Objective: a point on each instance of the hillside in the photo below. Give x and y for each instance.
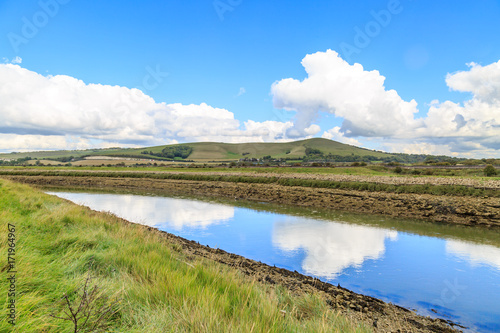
(316, 149)
(290, 150)
(209, 151)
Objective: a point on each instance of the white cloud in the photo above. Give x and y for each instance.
(418, 148)
(473, 126)
(483, 82)
(337, 135)
(16, 60)
(40, 142)
(368, 110)
(348, 91)
(43, 112)
(64, 112)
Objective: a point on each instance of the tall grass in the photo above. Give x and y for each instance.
(160, 289)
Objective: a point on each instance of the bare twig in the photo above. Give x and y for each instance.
(90, 310)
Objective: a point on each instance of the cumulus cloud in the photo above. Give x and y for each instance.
(337, 135)
(61, 109)
(22, 143)
(369, 110)
(348, 91)
(472, 127)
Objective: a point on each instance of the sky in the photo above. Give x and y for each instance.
(409, 76)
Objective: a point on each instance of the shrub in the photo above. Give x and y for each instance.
(490, 171)
(398, 170)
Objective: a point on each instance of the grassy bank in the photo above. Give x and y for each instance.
(455, 190)
(158, 289)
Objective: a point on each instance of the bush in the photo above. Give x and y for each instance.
(398, 170)
(490, 171)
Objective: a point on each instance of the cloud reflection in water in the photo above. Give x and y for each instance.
(157, 211)
(476, 254)
(330, 247)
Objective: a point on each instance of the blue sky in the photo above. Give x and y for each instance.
(223, 57)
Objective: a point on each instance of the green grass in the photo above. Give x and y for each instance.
(160, 289)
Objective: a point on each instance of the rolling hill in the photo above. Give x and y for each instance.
(316, 148)
(204, 151)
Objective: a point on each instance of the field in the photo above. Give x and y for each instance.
(466, 182)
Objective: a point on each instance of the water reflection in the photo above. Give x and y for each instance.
(476, 254)
(330, 247)
(168, 213)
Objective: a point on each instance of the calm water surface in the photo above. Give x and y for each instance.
(440, 275)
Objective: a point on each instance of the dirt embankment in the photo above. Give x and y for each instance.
(449, 209)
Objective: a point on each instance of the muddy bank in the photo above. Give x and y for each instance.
(472, 211)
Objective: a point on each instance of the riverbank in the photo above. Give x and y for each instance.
(172, 281)
(143, 280)
(464, 210)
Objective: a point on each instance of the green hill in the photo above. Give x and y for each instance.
(290, 150)
(213, 151)
(310, 149)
